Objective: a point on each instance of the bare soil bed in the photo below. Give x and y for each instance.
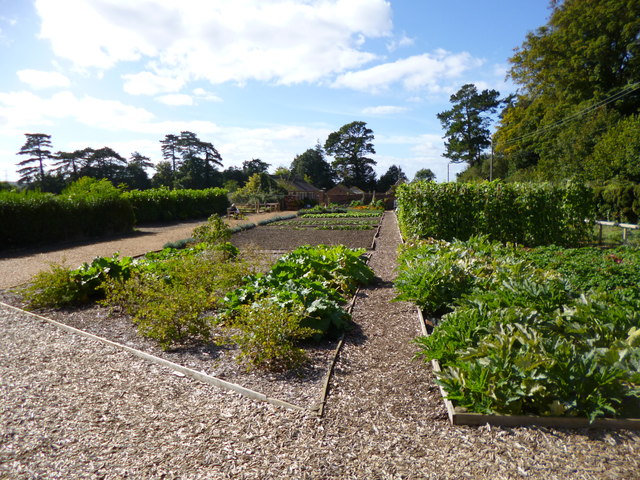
(279, 238)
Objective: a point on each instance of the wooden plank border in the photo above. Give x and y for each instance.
(475, 419)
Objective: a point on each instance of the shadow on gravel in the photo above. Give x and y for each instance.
(30, 251)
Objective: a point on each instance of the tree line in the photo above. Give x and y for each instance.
(576, 113)
(191, 163)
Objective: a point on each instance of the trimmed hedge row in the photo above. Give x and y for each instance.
(161, 205)
(43, 218)
(527, 214)
(37, 218)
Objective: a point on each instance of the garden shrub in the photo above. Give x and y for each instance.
(267, 335)
(173, 300)
(61, 286)
(619, 202)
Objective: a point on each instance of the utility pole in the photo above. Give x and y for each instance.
(491, 163)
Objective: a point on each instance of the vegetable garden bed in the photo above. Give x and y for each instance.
(216, 363)
(529, 334)
(458, 417)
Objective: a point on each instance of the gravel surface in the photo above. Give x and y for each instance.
(75, 408)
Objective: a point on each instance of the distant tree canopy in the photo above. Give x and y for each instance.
(193, 162)
(253, 166)
(350, 147)
(579, 96)
(259, 188)
(467, 123)
(188, 163)
(424, 174)
(312, 166)
(391, 177)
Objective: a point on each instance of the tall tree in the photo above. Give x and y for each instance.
(37, 147)
(171, 151)
(390, 178)
(350, 147)
(253, 166)
(104, 163)
(135, 173)
(163, 176)
(68, 164)
(578, 79)
(424, 174)
(312, 165)
(199, 162)
(467, 123)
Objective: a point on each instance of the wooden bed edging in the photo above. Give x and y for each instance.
(318, 409)
(201, 377)
(377, 233)
(476, 419)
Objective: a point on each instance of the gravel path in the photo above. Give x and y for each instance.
(17, 267)
(74, 408)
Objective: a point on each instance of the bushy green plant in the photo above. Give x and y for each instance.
(173, 300)
(213, 232)
(61, 286)
(316, 279)
(51, 288)
(88, 186)
(267, 335)
(320, 305)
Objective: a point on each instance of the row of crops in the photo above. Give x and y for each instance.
(543, 330)
(332, 218)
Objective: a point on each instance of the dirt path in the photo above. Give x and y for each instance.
(74, 408)
(18, 267)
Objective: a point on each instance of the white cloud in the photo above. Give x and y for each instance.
(417, 72)
(39, 79)
(384, 110)
(202, 94)
(148, 83)
(26, 110)
(403, 41)
(176, 99)
(281, 41)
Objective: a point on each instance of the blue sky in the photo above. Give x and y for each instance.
(261, 79)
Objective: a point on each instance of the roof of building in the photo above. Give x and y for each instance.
(296, 185)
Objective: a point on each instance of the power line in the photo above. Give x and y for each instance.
(612, 98)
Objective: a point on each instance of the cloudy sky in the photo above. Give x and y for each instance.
(263, 79)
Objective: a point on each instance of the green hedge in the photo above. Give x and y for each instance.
(36, 218)
(618, 202)
(160, 205)
(527, 214)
